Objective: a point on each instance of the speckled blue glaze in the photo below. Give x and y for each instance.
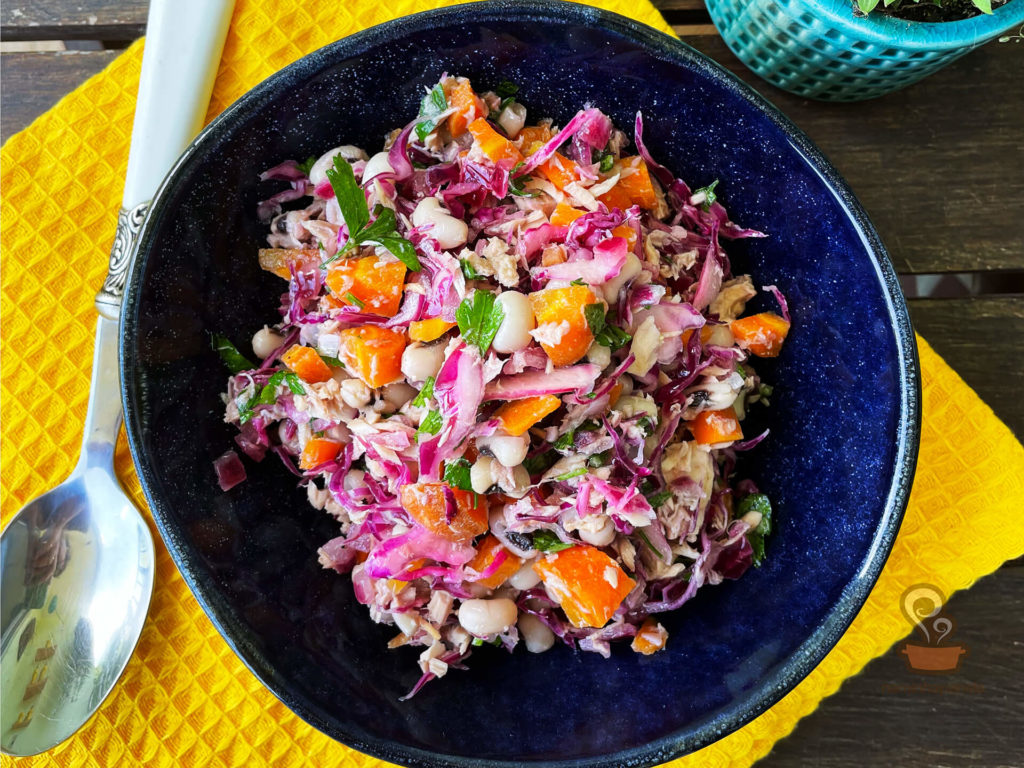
(844, 419)
(821, 50)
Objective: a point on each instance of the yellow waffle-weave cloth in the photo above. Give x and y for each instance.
(185, 699)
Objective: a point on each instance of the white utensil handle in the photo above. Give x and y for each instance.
(184, 40)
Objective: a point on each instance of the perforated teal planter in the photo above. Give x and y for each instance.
(819, 49)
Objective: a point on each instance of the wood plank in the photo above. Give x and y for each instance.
(83, 19)
(942, 184)
(981, 339)
(31, 83)
(891, 716)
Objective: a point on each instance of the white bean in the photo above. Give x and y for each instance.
(602, 537)
(446, 229)
(487, 617)
(355, 393)
(514, 332)
(512, 119)
(507, 449)
(265, 341)
(318, 173)
(535, 634)
(481, 474)
(630, 269)
(421, 361)
(398, 394)
(377, 165)
(514, 481)
(525, 577)
(599, 355)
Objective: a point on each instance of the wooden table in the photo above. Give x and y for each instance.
(940, 169)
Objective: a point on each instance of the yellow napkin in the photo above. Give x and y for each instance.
(185, 698)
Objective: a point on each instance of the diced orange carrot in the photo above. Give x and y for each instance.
(306, 364)
(565, 215)
(705, 334)
(276, 260)
(559, 170)
(587, 583)
(486, 552)
(557, 305)
(532, 138)
(429, 329)
(650, 638)
(374, 284)
(615, 394)
(493, 144)
(627, 233)
(517, 416)
(634, 186)
(762, 334)
(372, 353)
(553, 253)
(459, 93)
(710, 427)
(318, 451)
(425, 502)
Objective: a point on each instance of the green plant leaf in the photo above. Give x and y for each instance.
(595, 315)
(985, 6)
(456, 474)
(548, 541)
(233, 359)
(351, 199)
(479, 319)
(433, 104)
(425, 393)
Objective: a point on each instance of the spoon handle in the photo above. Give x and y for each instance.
(184, 40)
(103, 417)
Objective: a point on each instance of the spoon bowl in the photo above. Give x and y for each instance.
(77, 575)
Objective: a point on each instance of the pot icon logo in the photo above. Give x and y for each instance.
(922, 606)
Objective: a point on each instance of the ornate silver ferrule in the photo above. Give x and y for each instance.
(129, 224)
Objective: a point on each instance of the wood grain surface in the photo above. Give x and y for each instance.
(940, 169)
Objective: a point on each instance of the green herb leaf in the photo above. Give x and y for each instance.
(425, 393)
(599, 459)
(506, 88)
(233, 359)
(456, 474)
(757, 502)
(433, 104)
(431, 424)
(332, 361)
(468, 271)
(285, 377)
(307, 166)
(647, 541)
(548, 541)
(612, 336)
(741, 370)
(709, 195)
(571, 474)
(540, 463)
(607, 162)
(566, 441)
(353, 299)
(479, 319)
(659, 498)
(351, 199)
(985, 6)
(268, 394)
(595, 315)
(866, 6)
(515, 186)
(579, 281)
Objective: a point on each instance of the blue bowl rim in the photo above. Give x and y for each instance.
(901, 34)
(820, 641)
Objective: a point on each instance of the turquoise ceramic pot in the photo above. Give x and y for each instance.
(819, 49)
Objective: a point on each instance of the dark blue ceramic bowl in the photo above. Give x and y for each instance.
(844, 418)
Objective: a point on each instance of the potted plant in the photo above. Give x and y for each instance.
(848, 50)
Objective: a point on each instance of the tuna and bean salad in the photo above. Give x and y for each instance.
(513, 363)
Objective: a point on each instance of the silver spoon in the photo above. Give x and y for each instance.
(76, 564)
